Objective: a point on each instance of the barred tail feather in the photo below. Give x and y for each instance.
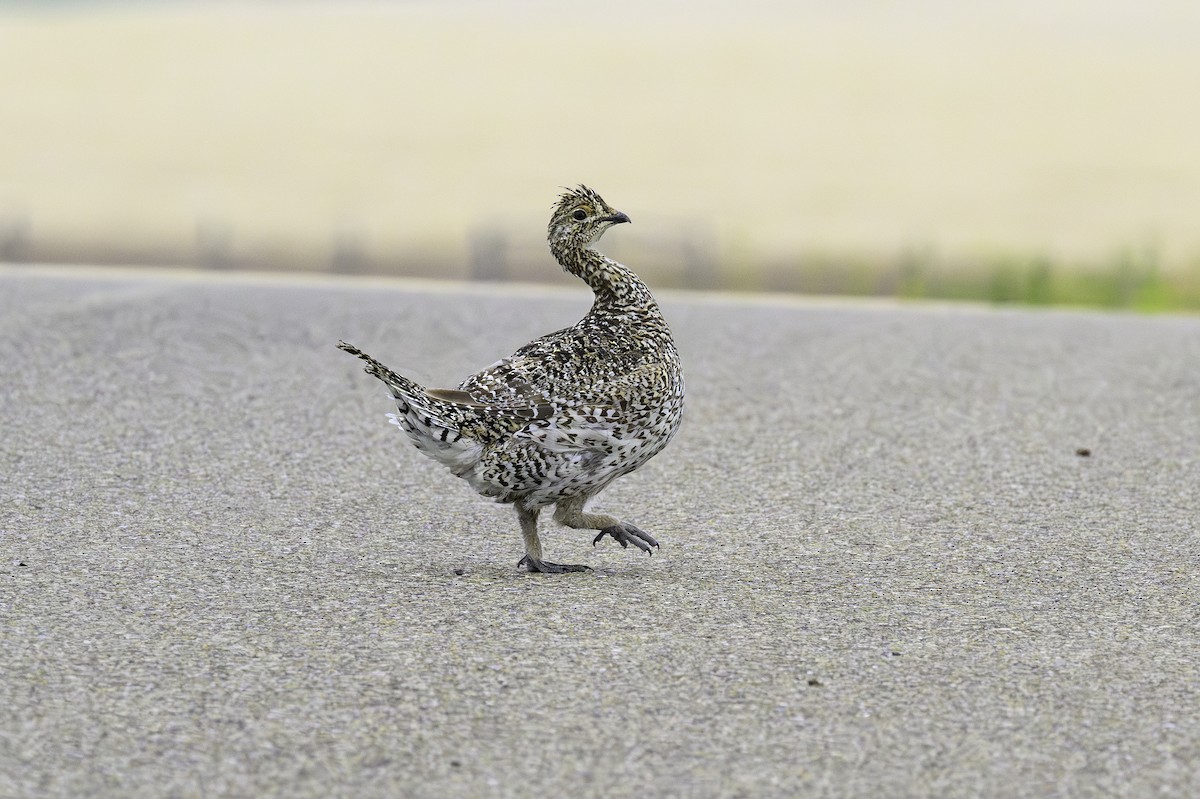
(401, 386)
(420, 417)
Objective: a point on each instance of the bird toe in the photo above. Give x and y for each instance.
(626, 534)
(538, 566)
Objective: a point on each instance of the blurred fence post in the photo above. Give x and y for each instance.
(14, 235)
(349, 252)
(489, 255)
(214, 243)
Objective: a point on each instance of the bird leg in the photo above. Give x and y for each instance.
(533, 547)
(570, 512)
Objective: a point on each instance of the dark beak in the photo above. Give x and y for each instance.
(616, 218)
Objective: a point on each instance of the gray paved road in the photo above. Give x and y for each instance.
(885, 569)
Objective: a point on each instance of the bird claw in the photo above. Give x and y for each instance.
(626, 534)
(534, 565)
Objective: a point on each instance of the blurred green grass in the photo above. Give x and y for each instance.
(1130, 280)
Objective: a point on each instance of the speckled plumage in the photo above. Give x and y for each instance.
(565, 415)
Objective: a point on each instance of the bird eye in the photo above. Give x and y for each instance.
(579, 215)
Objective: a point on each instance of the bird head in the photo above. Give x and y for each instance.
(581, 217)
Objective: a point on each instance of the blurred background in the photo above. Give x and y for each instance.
(1043, 151)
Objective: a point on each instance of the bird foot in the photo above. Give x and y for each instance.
(626, 534)
(546, 567)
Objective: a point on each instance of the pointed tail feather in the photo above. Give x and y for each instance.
(424, 418)
(402, 388)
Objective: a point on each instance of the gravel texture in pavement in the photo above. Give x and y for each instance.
(906, 550)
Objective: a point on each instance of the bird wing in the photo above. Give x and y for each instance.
(523, 405)
(584, 440)
(502, 389)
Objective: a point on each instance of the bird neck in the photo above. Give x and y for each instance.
(614, 284)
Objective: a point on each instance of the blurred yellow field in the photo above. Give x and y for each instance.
(428, 138)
